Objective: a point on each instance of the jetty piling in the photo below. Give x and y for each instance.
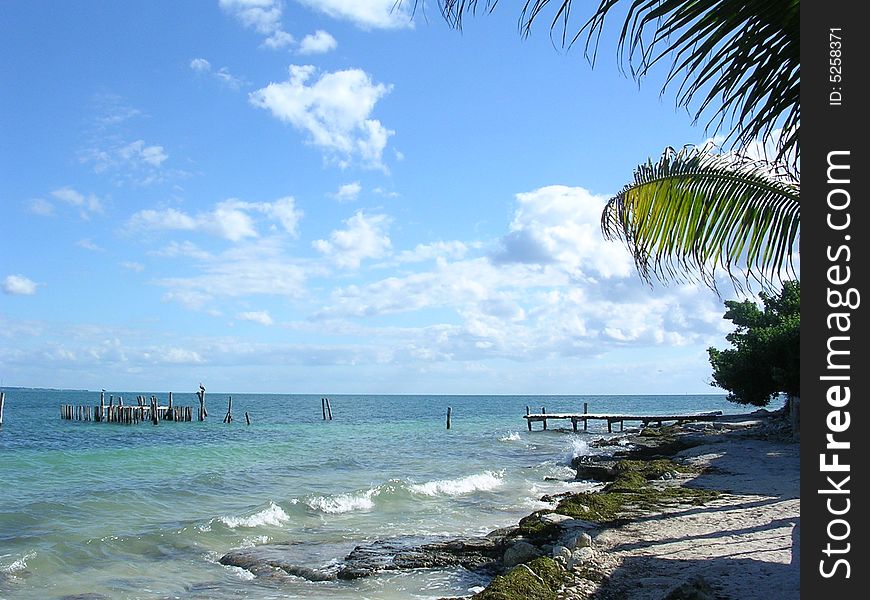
(247, 418)
(145, 409)
(229, 417)
(2, 405)
(329, 409)
(323, 407)
(449, 413)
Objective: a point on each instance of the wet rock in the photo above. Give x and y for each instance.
(273, 561)
(595, 468)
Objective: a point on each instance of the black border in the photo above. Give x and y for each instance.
(829, 127)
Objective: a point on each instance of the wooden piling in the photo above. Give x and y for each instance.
(329, 409)
(323, 407)
(247, 418)
(2, 405)
(170, 415)
(229, 417)
(528, 421)
(543, 412)
(201, 395)
(449, 414)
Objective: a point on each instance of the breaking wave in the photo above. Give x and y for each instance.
(486, 481)
(271, 515)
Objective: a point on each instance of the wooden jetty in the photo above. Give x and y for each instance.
(586, 416)
(145, 409)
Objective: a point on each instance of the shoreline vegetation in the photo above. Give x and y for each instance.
(686, 512)
(697, 511)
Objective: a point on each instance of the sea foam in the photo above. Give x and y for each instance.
(512, 436)
(488, 480)
(271, 515)
(342, 503)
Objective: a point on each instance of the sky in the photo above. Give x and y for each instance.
(328, 196)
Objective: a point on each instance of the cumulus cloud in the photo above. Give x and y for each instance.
(334, 110)
(229, 219)
(258, 316)
(365, 237)
(560, 225)
(348, 192)
(18, 285)
(366, 14)
(263, 16)
(318, 42)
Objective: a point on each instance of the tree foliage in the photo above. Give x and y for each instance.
(765, 358)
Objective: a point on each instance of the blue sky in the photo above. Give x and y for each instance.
(327, 197)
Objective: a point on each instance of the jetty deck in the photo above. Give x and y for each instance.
(585, 417)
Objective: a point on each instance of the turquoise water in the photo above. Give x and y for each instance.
(141, 511)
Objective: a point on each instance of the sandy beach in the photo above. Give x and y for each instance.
(742, 545)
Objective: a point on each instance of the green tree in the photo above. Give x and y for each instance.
(695, 211)
(765, 358)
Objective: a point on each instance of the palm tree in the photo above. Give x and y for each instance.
(695, 210)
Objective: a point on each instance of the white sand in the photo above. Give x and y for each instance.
(745, 544)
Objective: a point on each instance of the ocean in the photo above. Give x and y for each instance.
(96, 510)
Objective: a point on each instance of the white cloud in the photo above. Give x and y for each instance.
(87, 205)
(41, 207)
(423, 252)
(258, 316)
(279, 39)
(187, 249)
(18, 285)
(88, 244)
(560, 225)
(365, 237)
(138, 152)
(200, 65)
(318, 42)
(255, 268)
(230, 219)
(348, 192)
(367, 14)
(135, 162)
(133, 266)
(263, 16)
(223, 75)
(334, 111)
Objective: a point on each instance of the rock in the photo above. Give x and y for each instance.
(584, 540)
(519, 553)
(555, 518)
(580, 556)
(595, 468)
(272, 561)
(561, 552)
(276, 561)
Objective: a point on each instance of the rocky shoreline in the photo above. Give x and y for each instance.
(552, 553)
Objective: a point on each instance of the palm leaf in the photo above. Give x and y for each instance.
(740, 57)
(694, 212)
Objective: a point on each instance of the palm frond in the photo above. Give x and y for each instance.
(741, 58)
(694, 212)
